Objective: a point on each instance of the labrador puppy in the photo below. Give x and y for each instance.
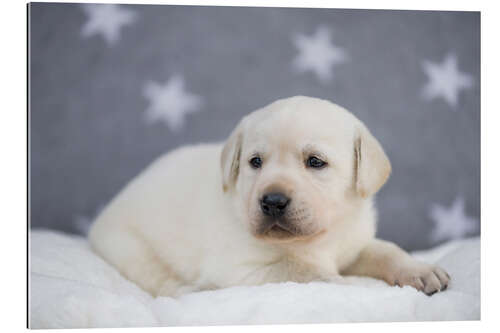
(288, 197)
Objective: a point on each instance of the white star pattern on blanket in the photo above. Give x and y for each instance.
(318, 54)
(445, 80)
(170, 102)
(317, 48)
(106, 20)
(452, 222)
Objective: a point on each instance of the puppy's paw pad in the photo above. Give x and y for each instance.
(426, 278)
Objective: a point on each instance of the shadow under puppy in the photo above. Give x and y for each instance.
(288, 197)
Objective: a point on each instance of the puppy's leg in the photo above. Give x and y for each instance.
(125, 249)
(386, 261)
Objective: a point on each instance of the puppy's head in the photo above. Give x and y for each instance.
(298, 165)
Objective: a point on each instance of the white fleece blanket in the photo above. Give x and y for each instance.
(73, 288)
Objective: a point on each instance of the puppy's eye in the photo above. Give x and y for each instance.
(256, 162)
(314, 162)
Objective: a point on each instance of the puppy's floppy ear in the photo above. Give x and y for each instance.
(230, 158)
(371, 165)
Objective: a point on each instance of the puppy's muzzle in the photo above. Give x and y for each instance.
(274, 204)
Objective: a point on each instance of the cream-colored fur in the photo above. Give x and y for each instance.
(192, 220)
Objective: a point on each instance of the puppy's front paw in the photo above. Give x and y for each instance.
(427, 278)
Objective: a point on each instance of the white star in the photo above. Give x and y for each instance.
(106, 20)
(318, 54)
(170, 102)
(452, 222)
(445, 80)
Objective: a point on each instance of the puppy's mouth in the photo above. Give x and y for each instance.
(277, 229)
(284, 231)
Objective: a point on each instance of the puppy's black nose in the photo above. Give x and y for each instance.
(274, 204)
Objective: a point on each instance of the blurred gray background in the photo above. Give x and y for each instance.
(90, 133)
